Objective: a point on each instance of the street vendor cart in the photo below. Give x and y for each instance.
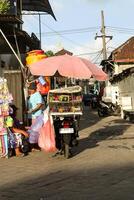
(65, 101)
(65, 105)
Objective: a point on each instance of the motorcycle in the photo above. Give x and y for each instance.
(94, 102)
(66, 130)
(105, 109)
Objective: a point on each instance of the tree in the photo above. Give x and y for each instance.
(49, 53)
(4, 6)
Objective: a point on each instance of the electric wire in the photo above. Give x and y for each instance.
(62, 36)
(96, 58)
(88, 53)
(71, 31)
(120, 30)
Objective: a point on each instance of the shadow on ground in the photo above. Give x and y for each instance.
(104, 183)
(88, 118)
(109, 132)
(81, 178)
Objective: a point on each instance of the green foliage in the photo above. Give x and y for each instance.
(4, 6)
(49, 53)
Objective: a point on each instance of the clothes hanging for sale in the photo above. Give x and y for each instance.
(5, 99)
(4, 145)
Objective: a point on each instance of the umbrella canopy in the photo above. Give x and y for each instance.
(68, 66)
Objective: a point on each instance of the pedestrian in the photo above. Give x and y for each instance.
(16, 133)
(35, 103)
(15, 137)
(35, 109)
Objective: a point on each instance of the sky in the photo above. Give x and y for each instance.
(83, 14)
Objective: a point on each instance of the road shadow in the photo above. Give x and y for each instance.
(88, 118)
(109, 132)
(107, 183)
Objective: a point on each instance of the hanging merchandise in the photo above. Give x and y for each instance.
(44, 89)
(41, 80)
(65, 101)
(5, 99)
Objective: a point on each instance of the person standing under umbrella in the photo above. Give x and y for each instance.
(35, 103)
(35, 109)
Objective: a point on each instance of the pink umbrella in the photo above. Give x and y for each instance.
(67, 66)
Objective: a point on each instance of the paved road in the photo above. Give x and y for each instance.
(102, 167)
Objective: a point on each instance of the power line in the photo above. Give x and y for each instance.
(120, 30)
(88, 53)
(71, 31)
(97, 57)
(68, 39)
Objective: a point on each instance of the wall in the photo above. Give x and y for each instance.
(14, 81)
(120, 67)
(10, 61)
(126, 88)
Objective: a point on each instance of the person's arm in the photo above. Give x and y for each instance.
(16, 130)
(35, 109)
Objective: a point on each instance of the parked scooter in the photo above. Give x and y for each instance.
(66, 129)
(94, 102)
(105, 109)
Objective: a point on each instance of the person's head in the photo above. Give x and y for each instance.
(32, 88)
(13, 110)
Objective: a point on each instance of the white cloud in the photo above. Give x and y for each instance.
(91, 50)
(88, 51)
(53, 48)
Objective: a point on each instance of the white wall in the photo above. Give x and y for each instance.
(120, 67)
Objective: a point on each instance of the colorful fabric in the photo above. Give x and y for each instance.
(0, 145)
(11, 139)
(3, 145)
(14, 139)
(18, 139)
(6, 144)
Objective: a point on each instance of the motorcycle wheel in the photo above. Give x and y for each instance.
(100, 113)
(66, 151)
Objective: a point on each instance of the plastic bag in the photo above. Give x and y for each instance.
(46, 139)
(37, 124)
(33, 136)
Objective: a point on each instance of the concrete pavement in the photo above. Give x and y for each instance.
(102, 167)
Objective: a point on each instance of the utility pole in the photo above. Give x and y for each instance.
(104, 48)
(40, 29)
(103, 36)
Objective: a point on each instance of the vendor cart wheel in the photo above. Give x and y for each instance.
(66, 151)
